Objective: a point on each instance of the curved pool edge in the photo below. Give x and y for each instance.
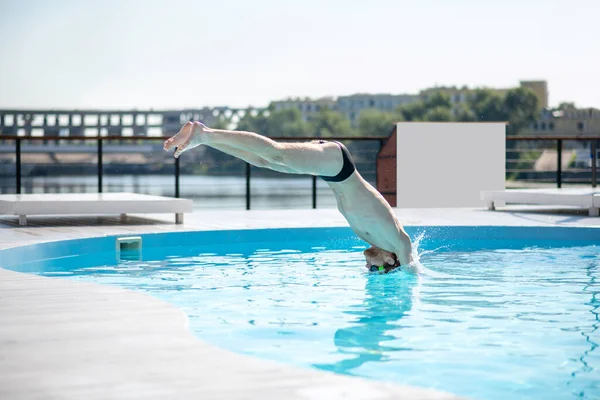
(68, 339)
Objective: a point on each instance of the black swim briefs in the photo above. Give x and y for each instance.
(347, 169)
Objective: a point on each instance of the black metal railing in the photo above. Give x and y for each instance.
(177, 164)
(559, 141)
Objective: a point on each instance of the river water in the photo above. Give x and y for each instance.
(223, 192)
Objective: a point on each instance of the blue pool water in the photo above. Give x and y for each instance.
(509, 316)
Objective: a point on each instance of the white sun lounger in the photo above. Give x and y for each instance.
(91, 204)
(584, 198)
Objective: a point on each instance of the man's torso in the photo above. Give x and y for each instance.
(367, 212)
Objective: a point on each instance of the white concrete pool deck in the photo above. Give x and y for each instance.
(62, 339)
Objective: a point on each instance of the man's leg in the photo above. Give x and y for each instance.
(253, 159)
(303, 158)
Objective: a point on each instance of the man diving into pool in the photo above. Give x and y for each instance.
(365, 209)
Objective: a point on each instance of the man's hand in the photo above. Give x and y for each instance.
(188, 137)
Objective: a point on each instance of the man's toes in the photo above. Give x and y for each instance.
(180, 149)
(168, 144)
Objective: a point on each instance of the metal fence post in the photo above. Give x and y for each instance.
(177, 175)
(381, 144)
(594, 150)
(18, 163)
(559, 163)
(314, 191)
(247, 186)
(100, 165)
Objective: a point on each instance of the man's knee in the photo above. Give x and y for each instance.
(275, 155)
(262, 163)
(256, 160)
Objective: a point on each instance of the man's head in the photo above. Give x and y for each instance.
(380, 258)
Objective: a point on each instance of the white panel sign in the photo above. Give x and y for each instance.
(447, 164)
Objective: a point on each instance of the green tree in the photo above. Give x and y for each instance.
(566, 106)
(254, 123)
(327, 123)
(286, 122)
(488, 105)
(377, 123)
(413, 111)
(439, 113)
(438, 107)
(463, 113)
(522, 108)
(438, 99)
(220, 123)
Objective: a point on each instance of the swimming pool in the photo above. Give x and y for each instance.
(498, 314)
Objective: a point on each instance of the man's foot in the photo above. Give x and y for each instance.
(187, 138)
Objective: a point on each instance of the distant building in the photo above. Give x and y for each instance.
(569, 122)
(540, 88)
(462, 95)
(307, 107)
(40, 122)
(351, 106)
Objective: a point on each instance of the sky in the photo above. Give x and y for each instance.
(174, 54)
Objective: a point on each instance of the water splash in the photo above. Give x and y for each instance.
(417, 266)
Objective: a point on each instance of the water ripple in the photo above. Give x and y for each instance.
(494, 324)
